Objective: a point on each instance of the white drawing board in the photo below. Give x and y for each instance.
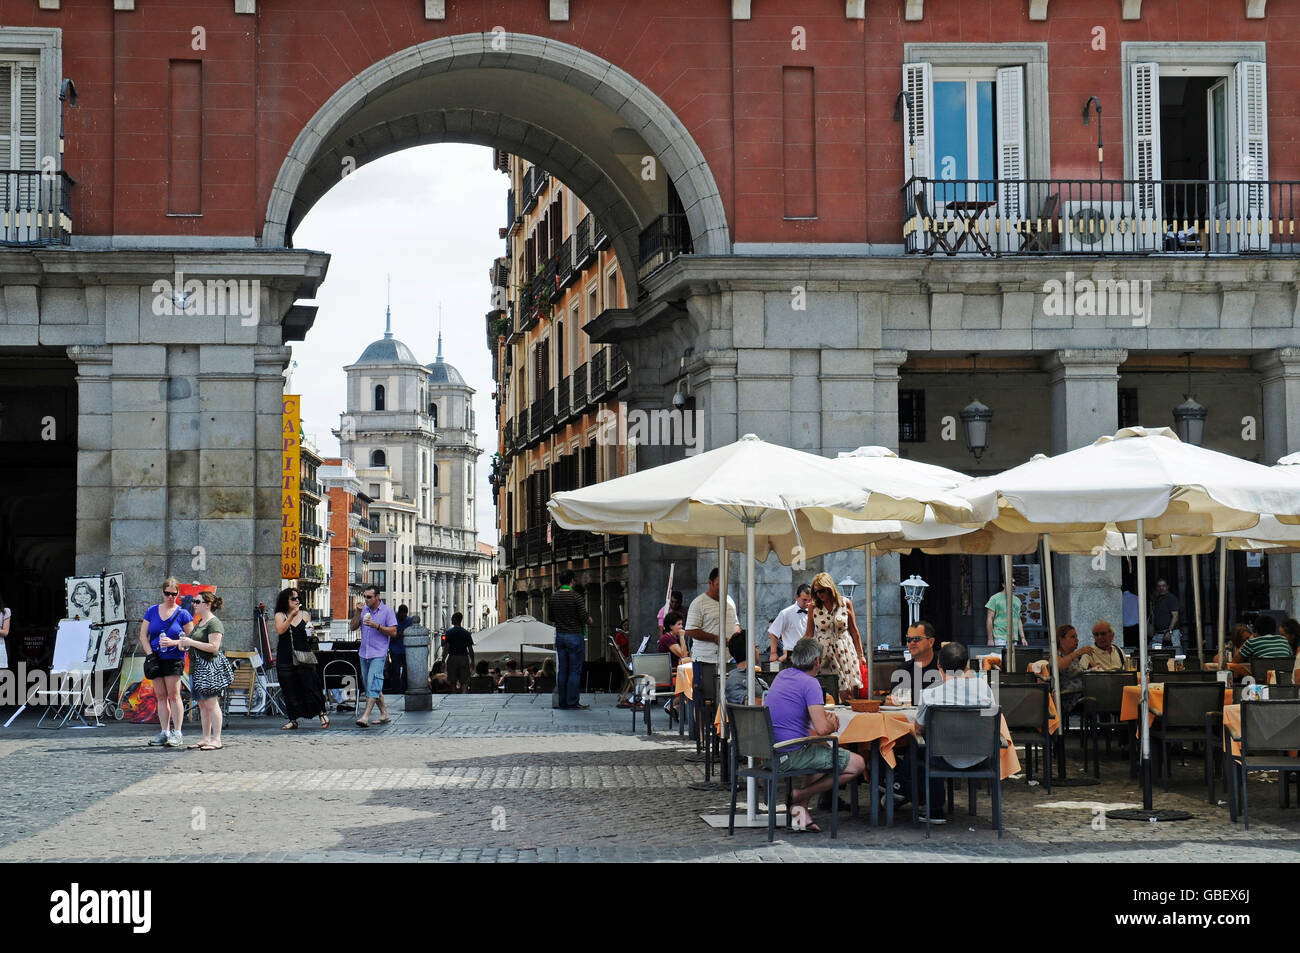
(72, 646)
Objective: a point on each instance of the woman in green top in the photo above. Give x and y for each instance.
(206, 638)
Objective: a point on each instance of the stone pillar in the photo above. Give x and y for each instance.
(94, 458)
(1085, 406)
(417, 642)
(1280, 381)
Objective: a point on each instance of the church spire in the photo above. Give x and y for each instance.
(439, 360)
(388, 311)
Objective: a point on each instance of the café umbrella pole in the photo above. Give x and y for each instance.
(751, 784)
(1012, 619)
(868, 594)
(1051, 632)
(1195, 627)
(1223, 598)
(722, 624)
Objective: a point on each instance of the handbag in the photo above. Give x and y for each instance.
(152, 666)
(211, 676)
(304, 657)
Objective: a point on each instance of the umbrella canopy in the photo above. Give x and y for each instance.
(508, 636)
(1139, 474)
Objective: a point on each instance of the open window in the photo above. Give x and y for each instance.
(1198, 131)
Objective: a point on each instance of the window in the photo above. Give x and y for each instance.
(374, 490)
(377, 459)
(611, 289)
(963, 124)
(435, 476)
(911, 416)
(379, 397)
(1128, 407)
(19, 112)
(433, 415)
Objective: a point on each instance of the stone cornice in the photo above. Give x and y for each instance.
(1068, 358)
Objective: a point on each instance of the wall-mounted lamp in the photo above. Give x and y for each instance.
(1094, 101)
(975, 420)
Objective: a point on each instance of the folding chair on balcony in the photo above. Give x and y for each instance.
(1039, 235)
(936, 236)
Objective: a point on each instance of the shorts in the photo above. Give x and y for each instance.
(372, 675)
(171, 667)
(813, 759)
(458, 670)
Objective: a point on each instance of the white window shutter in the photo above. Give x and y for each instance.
(918, 130)
(1011, 142)
(8, 159)
(27, 118)
(1252, 152)
(1144, 112)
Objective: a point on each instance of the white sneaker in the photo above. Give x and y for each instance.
(174, 740)
(160, 740)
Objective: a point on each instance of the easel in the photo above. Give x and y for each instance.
(74, 664)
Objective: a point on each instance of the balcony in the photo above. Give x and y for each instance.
(521, 430)
(599, 237)
(548, 290)
(562, 402)
(535, 422)
(598, 379)
(311, 572)
(358, 510)
(579, 379)
(1027, 217)
(595, 544)
(312, 530)
(565, 272)
(508, 437)
(583, 252)
(548, 411)
(668, 237)
(618, 367)
(616, 544)
(313, 487)
(374, 524)
(530, 190)
(37, 210)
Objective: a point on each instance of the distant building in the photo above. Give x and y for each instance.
(349, 529)
(485, 587)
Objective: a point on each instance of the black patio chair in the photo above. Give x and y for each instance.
(704, 707)
(1103, 698)
(963, 732)
(515, 684)
(752, 737)
(1026, 711)
(1270, 732)
(830, 684)
(1260, 667)
(1193, 713)
(544, 684)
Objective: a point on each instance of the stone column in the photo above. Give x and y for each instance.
(1280, 380)
(1085, 406)
(94, 458)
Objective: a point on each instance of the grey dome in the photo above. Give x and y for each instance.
(387, 350)
(440, 372)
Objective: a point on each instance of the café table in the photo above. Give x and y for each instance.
(1132, 701)
(964, 223)
(684, 681)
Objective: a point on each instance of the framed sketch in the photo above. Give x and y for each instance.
(112, 639)
(84, 599)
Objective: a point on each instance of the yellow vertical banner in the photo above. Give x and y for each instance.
(290, 485)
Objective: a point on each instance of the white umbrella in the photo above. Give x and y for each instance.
(1146, 482)
(759, 489)
(513, 634)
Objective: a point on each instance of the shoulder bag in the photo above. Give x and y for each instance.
(304, 656)
(211, 675)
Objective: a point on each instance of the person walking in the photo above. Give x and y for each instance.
(300, 685)
(204, 645)
(378, 625)
(834, 626)
(160, 631)
(568, 613)
(5, 616)
(397, 649)
(458, 650)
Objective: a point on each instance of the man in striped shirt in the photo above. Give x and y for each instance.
(1265, 643)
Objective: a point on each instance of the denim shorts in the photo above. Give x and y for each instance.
(372, 675)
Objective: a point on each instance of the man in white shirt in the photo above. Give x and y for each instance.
(790, 624)
(702, 623)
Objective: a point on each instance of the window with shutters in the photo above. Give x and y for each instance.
(19, 109)
(32, 206)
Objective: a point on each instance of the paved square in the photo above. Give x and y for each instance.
(505, 778)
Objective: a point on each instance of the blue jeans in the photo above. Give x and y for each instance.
(568, 667)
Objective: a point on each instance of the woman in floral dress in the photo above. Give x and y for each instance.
(833, 625)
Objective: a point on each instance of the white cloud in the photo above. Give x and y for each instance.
(429, 217)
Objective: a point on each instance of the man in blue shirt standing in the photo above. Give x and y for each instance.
(378, 625)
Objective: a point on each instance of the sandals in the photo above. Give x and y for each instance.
(291, 726)
(383, 721)
(324, 722)
(195, 747)
(362, 724)
(211, 747)
(802, 821)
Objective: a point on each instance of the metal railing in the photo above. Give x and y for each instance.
(583, 251)
(667, 237)
(562, 401)
(599, 237)
(564, 271)
(35, 208)
(548, 411)
(535, 422)
(579, 379)
(598, 372)
(1008, 217)
(311, 486)
(618, 367)
(313, 530)
(521, 429)
(508, 436)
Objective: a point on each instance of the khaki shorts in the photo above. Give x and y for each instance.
(813, 759)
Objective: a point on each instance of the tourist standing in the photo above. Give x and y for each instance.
(458, 650)
(995, 620)
(703, 627)
(204, 645)
(568, 613)
(300, 685)
(834, 626)
(5, 616)
(160, 630)
(1164, 616)
(378, 625)
(397, 649)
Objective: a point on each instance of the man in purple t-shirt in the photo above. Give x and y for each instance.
(798, 711)
(378, 624)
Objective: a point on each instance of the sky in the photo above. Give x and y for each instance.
(428, 216)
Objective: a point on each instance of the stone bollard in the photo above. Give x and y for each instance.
(416, 641)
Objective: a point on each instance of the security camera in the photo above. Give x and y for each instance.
(679, 399)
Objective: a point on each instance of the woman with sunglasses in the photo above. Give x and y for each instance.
(835, 628)
(300, 685)
(161, 629)
(205, 639)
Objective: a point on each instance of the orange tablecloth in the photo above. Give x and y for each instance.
(1232, 722)
(892, 728)
(685, 680)
(1132, 702)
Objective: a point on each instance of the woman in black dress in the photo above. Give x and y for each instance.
(300, 685)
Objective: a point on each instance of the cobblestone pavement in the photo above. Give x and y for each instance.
(486, 778)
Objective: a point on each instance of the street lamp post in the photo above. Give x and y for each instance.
(914, 591)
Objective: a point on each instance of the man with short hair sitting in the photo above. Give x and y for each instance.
(738, 677)
(1264, 644)
(959, 687)
(796, 703)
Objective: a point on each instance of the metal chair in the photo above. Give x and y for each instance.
(1103, 697)
(752, 737)
(703, 707)
(1260, 667)
(1025, 709)
(1193, 712)
(1270, 731)
(544, 684)
(830, 686)
(882, 676)
(652, 672)
(515, 684)
(482, 685)
(963, 732)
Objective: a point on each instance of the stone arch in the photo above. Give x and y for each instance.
(558, 106)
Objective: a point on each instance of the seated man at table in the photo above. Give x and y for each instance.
(796, 703)
(738, 677)
(1105, 656)
(1265, 643)
(958, 687)
(910, 678)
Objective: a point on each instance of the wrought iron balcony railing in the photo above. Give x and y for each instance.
(562, 401)
(583, 252)
(535, 422)
(667, 237)
(618, 367)
(564, 270)
(35, 208)
(598, 377)
(548, 411)
(1007, 217)
(579, 388)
